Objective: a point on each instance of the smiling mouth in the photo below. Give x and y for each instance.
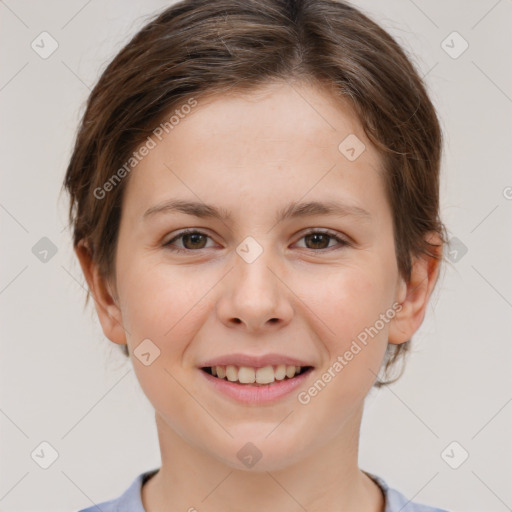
(265, 376)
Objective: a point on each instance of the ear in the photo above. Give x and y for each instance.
(414, 295)
(109, 313)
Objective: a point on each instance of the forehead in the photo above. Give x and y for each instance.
(274, 117)
(281, 138)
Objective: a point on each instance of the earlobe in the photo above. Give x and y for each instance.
(107, 307)
(414, 296)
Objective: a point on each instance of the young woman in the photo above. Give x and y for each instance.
(255, 204)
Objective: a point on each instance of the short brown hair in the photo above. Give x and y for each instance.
(200, 47)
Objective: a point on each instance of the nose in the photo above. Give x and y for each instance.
(255, 297)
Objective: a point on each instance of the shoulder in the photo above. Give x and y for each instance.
(106, 506)
(397, 502)
(129, 501)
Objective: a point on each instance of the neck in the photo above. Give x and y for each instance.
(328, 479)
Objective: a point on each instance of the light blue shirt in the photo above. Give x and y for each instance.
(131, 501)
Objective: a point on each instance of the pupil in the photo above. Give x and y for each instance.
(316, 236)
(194, 241)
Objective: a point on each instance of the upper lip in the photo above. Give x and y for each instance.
(253, 361)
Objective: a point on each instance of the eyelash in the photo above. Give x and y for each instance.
(172, 248)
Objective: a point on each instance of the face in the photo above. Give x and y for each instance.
(255, 281)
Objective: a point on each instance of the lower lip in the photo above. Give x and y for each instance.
(256, 395)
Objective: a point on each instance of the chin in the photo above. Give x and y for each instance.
(257, 454)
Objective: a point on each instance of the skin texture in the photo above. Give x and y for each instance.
(251, 155)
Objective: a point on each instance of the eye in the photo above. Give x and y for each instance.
(192, 239)
(318, 239)
(195, 240)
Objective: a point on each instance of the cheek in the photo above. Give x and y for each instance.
(350, 303)
(353, 299)
(160, 303)
(353, 303)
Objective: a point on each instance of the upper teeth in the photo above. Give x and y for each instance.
(247, 375)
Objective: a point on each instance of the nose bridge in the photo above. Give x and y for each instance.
(255, 296)
(252, 272)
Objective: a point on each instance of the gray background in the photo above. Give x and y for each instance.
(64, 383)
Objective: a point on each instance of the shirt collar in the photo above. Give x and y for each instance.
(131, 500)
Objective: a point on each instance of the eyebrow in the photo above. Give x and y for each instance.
(292, 210)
